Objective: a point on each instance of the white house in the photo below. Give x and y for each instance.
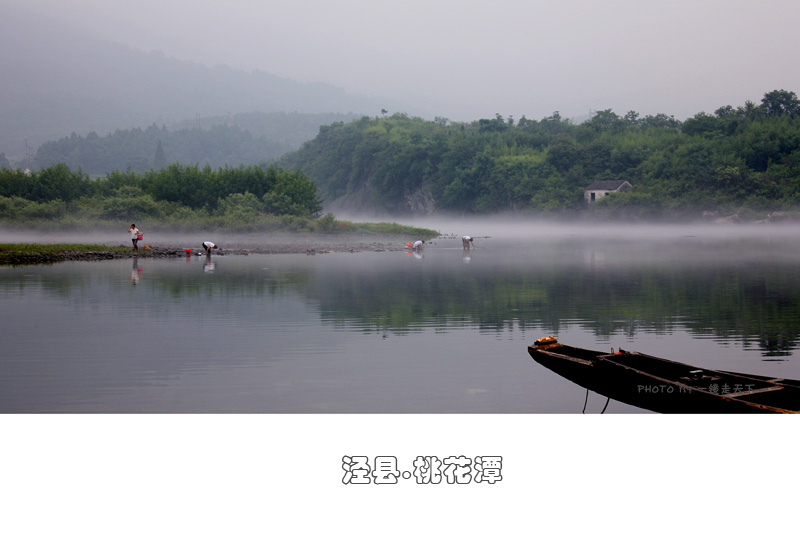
(598, 189)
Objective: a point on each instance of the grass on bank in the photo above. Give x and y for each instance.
(58, 248)
(329, 224)
(15, 254)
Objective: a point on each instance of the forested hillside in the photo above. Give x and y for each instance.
(737, 160)
(238, 139)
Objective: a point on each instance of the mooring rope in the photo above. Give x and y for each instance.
(586, 402)
(604, 408)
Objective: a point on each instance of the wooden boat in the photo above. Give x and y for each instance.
(666, 386)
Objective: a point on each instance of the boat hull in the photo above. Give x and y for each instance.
(666, 386)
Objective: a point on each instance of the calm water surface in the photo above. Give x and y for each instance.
(390, 332)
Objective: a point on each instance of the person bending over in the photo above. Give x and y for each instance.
(208, 246)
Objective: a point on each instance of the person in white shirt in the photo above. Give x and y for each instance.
(418, 246)
(466, 240)
(134, 236)
(208, 246)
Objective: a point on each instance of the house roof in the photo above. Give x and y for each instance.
(606, 185)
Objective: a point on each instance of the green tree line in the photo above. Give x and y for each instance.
(744, 159)
(177, 195)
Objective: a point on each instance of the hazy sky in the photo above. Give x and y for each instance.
(466, 60)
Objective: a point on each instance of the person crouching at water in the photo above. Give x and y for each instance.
(418, 246)
(466, 240)
(207, 246)
(134, 236)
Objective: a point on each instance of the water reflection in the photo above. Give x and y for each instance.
(385, 332)
(136, 272)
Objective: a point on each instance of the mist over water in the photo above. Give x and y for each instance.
(519, 228)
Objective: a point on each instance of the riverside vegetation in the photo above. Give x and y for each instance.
(177, 197)
(743, 161)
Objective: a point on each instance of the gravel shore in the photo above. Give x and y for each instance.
(294, 244)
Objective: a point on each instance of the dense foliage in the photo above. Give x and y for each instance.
(179, 196)
(744, 159)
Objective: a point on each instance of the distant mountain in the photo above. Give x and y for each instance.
(230, 140)
(57, 81)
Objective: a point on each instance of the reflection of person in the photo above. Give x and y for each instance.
(134, 236)
(466, 241)
(417, 246)
(135, 270)
(209, 265)
(208, 246)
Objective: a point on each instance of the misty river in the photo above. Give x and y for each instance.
(445, 331)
